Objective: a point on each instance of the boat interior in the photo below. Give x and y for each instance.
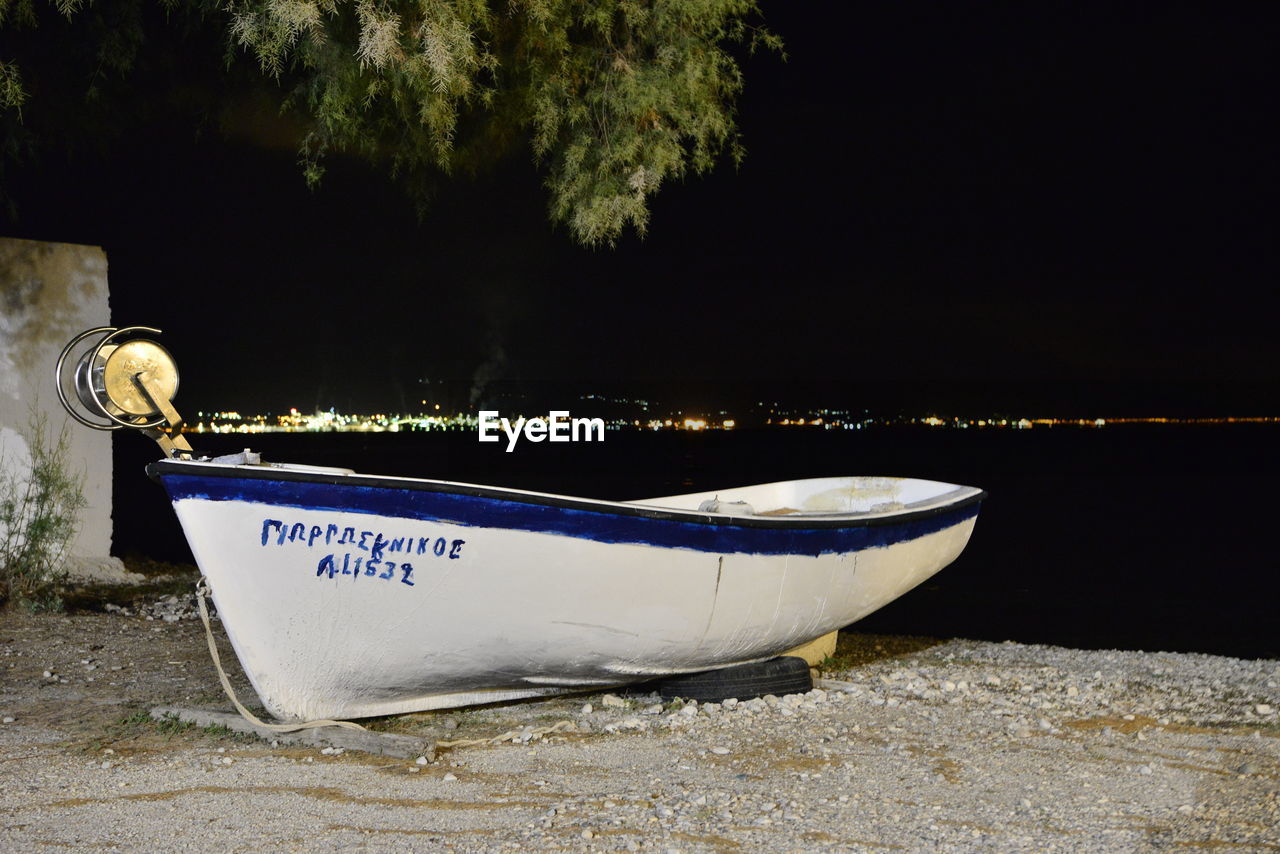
(819, 496)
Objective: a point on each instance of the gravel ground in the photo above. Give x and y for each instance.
(910, 745)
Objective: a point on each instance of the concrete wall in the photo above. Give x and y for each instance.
(49, 292)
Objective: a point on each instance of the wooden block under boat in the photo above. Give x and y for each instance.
(815, 651)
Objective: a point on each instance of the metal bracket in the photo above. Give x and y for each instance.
(171, 440)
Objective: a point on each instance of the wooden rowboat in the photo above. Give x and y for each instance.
(348, 595)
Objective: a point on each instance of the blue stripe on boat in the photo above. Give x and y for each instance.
(489, 512)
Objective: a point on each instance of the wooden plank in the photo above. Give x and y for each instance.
(387, 744)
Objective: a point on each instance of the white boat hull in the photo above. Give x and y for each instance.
(341, 602)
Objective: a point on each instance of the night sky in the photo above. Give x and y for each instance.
(1049, 205)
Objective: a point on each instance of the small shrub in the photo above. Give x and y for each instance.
(39, 516)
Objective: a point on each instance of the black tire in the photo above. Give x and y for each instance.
(785, 674)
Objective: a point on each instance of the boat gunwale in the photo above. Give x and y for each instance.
(198, 468)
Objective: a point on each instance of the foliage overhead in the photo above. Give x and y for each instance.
(611, 97)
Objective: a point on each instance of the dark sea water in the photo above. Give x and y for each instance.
(1135, 537)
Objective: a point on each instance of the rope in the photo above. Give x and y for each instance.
(202, 591)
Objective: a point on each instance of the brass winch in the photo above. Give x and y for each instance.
(129, 382)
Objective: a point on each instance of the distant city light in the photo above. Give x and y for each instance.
(641, 418)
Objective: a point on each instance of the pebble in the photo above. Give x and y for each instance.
(421, 760)
(8, 719)
(1264, 709)
(720, 751)
(449, 777)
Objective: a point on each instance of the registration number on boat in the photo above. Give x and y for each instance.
(375, 562)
